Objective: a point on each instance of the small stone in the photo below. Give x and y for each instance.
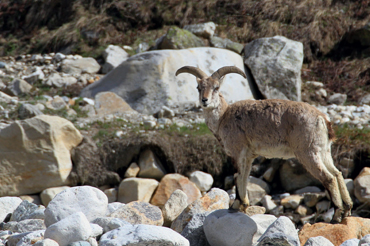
(139, 213)
(318, 241)
(351, 242)
(25, 225)
(27, 238)
(257, 189)
(23, 211)
(72, 228)
(8, 205)
(292, 201)
(202, 180)
(113, 207)
(223, 228)
(311, 199)
(215, 199)
(253, 210)
(26, 111)
(172, 182)
(337, 98)
(263, 221)
(150, 166)
(303, 211)
(46, 242)
(323, 206)
(136, 189)
(112, 194)
(267, 203)
(281, 232)
(132, 170)
(142, 235)
(174, 207)
(364, 240)
(48, 194)
(327, 216)
(205, 30)
(18, 87)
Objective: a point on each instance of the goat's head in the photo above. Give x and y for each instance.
(208, 87)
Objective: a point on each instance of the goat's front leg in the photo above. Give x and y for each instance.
(244, 165)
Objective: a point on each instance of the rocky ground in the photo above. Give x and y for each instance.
(148, 169)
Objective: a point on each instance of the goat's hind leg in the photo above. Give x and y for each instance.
(345, 196)
(315, 165)
(244, 165)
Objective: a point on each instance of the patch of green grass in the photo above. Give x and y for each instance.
(195, 130)
(347, 135)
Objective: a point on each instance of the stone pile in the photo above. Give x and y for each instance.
(83, 216)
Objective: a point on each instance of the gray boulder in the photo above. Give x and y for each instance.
(23, 211)
(18, 87)
(205, 30)
(194, 232)
(26, 111)
(25, 225)
(147, 81)
(143, 235)
(223, 228)
(113, 56)
(8, 205)
(351, 242)
(281, 232)
(177, 38)
(225, 43)
(276, 66)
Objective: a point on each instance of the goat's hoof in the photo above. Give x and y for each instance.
(235, 205)
(338, 216)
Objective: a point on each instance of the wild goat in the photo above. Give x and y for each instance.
(271, 128)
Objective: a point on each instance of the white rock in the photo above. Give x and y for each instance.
(263, 221)
(48, 194)
(351, 242)
(72, 228)
(96, 230)
(79, 66)
(113, 207)
(110, 223)
(35, 154)
(37, 75)
(46, 242)
(113, 56)
(7, 99)
(8, 205)
(58, 81)
(315, 84)
(318, 241)
(132, 170)
(276, 64)
(268, 203)
(223, 228)
(136, 189)
(156, 69)
(202, 180)
(174, 206)
(143, 235)
(323, 206)
(86, 199)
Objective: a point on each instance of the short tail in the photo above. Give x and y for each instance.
(331, 133)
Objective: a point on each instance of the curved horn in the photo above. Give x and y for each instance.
(225, 70)
(192, 70)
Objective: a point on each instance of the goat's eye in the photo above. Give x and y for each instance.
(216, 88)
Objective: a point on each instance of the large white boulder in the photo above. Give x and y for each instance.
(91, 201)
(147, 81)
(8, 205)
(35, 154)
(276, 64)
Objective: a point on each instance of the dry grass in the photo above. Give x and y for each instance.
(318, 24)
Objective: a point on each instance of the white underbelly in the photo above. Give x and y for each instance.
(283, 152)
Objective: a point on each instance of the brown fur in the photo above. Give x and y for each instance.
(273, 128)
